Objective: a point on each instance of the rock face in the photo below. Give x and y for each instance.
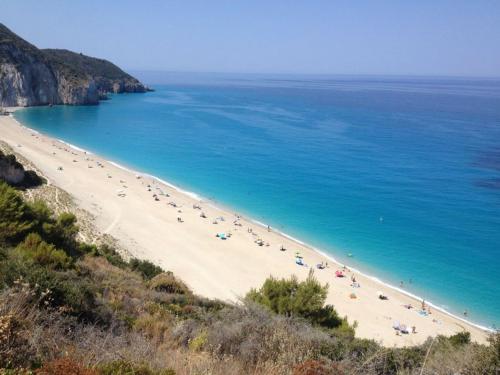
(11, 171)
(30, 76)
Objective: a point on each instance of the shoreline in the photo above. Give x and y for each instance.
(330, 257)
(298, 243)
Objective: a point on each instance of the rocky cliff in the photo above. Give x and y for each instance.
(30, 76)
(12, 172)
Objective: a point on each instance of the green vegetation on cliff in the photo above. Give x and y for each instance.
(32, 76)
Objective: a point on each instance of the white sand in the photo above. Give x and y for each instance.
(224, 269)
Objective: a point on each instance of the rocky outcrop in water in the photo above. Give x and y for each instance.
(30, 76)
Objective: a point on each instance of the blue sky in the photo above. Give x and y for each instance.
(460, 38)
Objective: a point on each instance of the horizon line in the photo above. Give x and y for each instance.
(388, 75)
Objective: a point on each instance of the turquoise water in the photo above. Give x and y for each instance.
(404, 173)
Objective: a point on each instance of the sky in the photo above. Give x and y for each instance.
(424, 37)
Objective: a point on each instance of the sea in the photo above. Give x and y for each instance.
(398, 177)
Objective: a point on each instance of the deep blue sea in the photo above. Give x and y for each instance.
(404, 173)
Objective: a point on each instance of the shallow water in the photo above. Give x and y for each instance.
(404, 173)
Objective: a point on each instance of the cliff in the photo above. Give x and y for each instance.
(13, 173)
(30, 76)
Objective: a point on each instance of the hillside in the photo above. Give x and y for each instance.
(30, 76)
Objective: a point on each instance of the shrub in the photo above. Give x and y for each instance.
(460, 338)
(197, 343)
(14, 341)
(290, 297)
(40, 252)
(166, 282)
(128, 368)
(68, 291)
(112, 256)
(313, 367)
(15, 219)
(31, 179)
(60, 231)
(147, 269)
(64, 366)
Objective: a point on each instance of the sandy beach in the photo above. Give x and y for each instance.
(158, 222)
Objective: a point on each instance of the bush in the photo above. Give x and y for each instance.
(312, 367)
(197, 344)
(68, 291)
(40, 252)
(290, 297)
(14, 342)
(147, 269)
(15, 218)
(166, 282)
(31, 179)
(128, 368)
(460, 338)
(112, 256)
(64, 366)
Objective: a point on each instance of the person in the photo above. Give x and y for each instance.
(423, 305)
(353, 279)
(413, 329)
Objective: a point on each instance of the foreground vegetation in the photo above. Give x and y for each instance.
(72, 308)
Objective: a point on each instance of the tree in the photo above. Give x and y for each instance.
(304, 299)
(15, 219)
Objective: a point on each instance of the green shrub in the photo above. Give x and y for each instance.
(197, 343)
(42, 253)
(31, 179)
(399, 360)
(15, 218)
(460, 338)
(147, 269)
(60, 231)
(305, 299)
(112, 256)
(166, 282)
(68, 291)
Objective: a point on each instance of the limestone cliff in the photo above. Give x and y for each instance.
(30, 76)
